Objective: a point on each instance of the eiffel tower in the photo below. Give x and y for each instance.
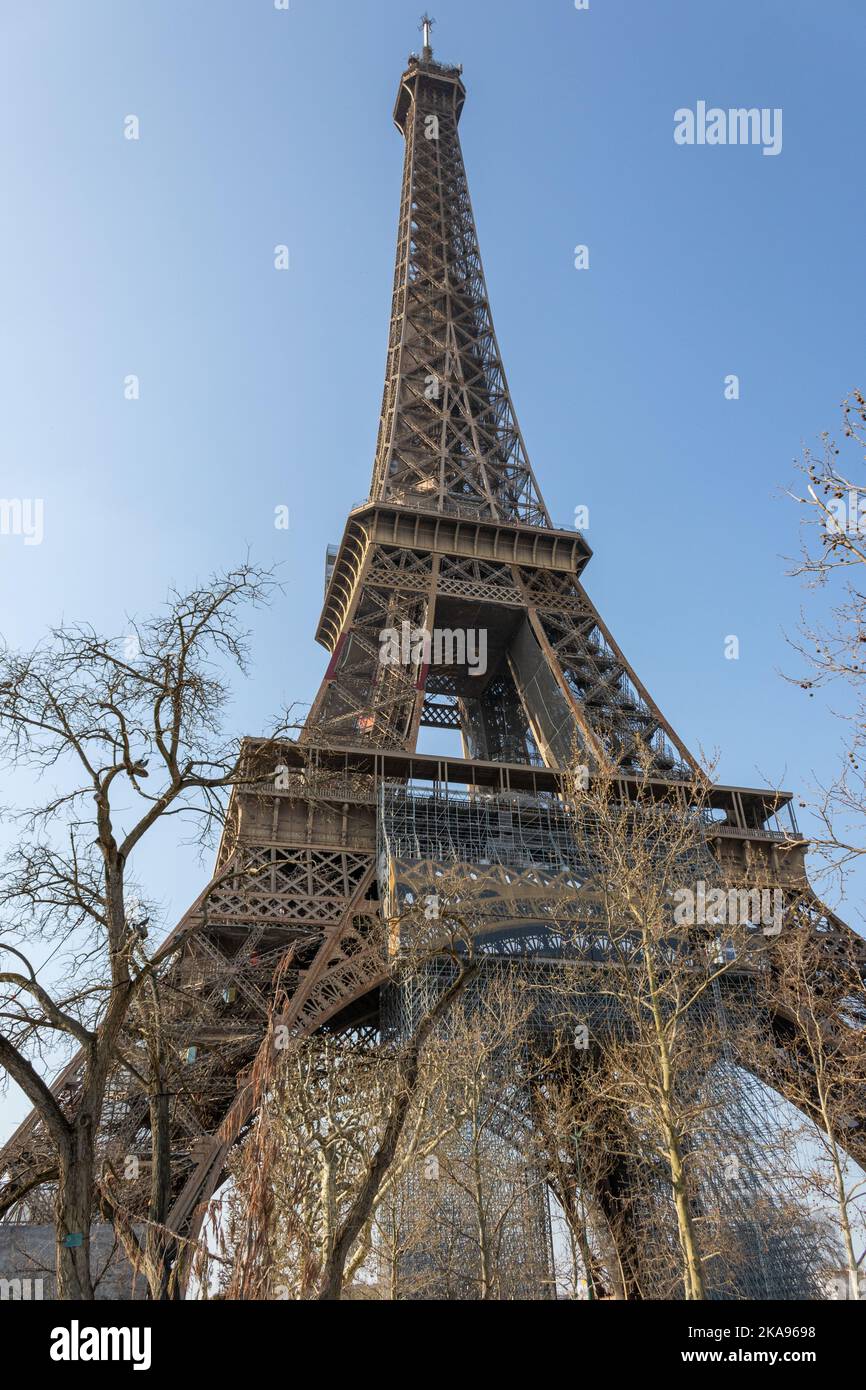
(453, 538)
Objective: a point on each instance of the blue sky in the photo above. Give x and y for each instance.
(259, 388)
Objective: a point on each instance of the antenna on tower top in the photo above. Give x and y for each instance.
(425, 26)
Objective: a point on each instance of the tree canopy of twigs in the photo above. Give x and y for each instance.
(339, 1120)
(833, 649)
(131, 730)
(656, 1027)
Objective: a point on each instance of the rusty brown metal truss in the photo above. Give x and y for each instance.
(454, 536)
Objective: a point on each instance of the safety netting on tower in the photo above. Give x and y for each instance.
(510, 860)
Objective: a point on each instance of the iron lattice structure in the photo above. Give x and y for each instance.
(453, 536)
(448, 436)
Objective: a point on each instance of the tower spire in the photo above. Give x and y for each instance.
(448, 434)
(426, 26)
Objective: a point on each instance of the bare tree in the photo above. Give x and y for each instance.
(822, 1069)
(652, 1022)
(833, 557)
(132, 731)
(488, 1182)
(339, 1122)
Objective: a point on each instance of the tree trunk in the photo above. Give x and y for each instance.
(73, 1208)
(157, 1239)
(693, 1278)
(613, 1197)
(484, 1261)
(842, 1199)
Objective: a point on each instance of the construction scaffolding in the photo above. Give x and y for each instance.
(524, 867)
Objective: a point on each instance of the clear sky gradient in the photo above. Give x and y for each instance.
(261, 388)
